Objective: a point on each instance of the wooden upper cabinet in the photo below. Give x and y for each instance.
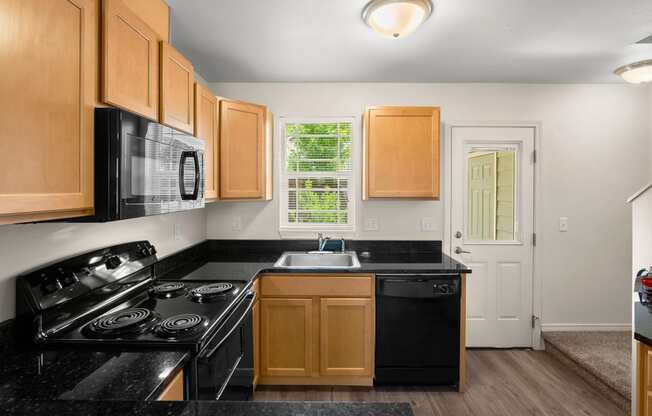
(207, 128)
(346, 337)
(245, 151)
(49, 88)
(130, 61)
(401, 152)
(155, 13)
(177, 90)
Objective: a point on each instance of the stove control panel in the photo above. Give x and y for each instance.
(60, 282)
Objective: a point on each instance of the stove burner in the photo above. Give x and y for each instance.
(168, 290)
(124, 322)
(207, 292)
(179, 325)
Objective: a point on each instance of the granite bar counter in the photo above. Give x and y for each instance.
(642, 323)
(202, 408)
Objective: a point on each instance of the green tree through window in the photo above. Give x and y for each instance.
(318, 167)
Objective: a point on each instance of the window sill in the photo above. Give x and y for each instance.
(311, 232)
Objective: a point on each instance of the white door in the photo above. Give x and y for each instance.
(492, 225)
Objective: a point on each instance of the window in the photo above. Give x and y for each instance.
(317, 175)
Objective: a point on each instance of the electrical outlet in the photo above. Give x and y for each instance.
(427, 224)
(563, 224)
(371, 224)
(236, 225)
(177, 231)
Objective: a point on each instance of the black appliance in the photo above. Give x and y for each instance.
(144, 168)
(417, 329)
(111, 298)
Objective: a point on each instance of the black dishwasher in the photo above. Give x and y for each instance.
(417, 329)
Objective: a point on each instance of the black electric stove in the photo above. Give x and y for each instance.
(110, 298)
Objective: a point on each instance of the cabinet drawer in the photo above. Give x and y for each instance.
(317, 285)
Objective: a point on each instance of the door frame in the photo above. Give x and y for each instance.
(537, 270)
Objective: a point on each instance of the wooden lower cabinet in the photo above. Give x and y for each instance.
(174, 390)
(316, 335)
(346, 329)
(286, 337)
(644, 379)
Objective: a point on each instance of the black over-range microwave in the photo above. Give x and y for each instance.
(144, 168)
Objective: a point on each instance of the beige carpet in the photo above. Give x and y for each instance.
(605, 355)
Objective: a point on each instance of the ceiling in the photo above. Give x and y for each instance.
(568, 41)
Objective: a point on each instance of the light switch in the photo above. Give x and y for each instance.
(371, 224)
(563, 224)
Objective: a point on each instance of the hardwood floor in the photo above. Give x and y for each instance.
(499, 383)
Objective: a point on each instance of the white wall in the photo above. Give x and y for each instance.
(649, 90)
(594, 154)
(23, 247)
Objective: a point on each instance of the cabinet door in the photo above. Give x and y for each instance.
(346, 337)
(48, 91)
(401, 152)
(256, 331)
(177, 96)
(286, 337)
(155, 13)
(130, 61)
(206, 128)
(243, 162)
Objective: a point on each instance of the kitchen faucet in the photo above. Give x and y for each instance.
(323, 240)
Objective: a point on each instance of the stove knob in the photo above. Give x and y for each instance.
(152, 250)
(50, 285)
(443, 289)
(113, 262)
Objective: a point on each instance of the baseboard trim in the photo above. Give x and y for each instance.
(585, 327)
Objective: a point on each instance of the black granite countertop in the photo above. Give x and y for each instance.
(202, 408)
(642, 323)
(83, 382)
(79, 374)
(244, 260)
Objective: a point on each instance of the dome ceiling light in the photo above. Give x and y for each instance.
(396, 18)
(636, 73)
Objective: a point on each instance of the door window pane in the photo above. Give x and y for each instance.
(491, 195)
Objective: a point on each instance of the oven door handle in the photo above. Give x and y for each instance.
(206, 355)
(182, 167)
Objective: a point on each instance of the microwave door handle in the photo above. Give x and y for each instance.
(182, 173)
(207, 355)
(195, 191)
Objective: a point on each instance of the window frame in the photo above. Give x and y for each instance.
(284, 175)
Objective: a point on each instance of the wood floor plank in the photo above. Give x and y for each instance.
(499, 383)
(448, 404)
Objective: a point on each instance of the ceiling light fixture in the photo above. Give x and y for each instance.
(396, 18)
(636, 73)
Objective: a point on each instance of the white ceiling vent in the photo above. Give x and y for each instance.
(646, 40)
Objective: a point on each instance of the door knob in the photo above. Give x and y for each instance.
(458, 234)
(458, 250)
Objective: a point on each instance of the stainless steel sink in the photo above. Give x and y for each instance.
(318, 260)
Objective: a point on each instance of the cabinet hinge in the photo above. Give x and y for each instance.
(534, 239)
(534, 156)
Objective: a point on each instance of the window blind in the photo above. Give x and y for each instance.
(317, 175)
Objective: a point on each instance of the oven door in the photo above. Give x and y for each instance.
(218, 364)
(161, 169)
